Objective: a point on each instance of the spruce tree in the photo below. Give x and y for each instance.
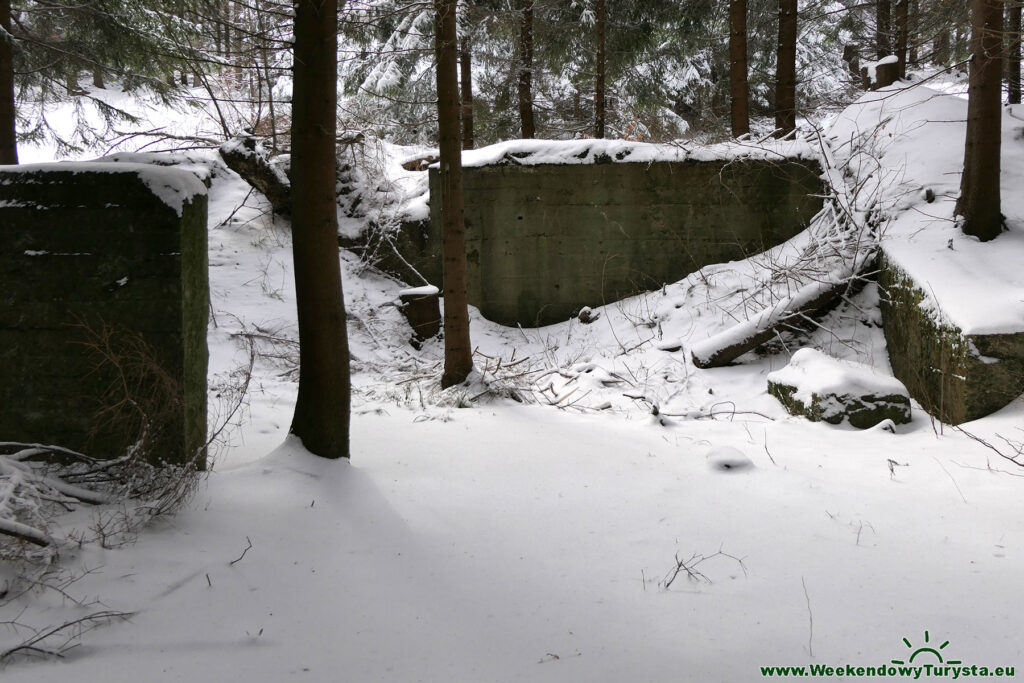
(321, 417)
(458, 355)
(979, 202)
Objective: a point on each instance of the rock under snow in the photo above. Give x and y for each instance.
(728, 459)
(822, 388)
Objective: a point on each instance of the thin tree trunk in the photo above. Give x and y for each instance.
(225, 22)
(913, 24)
(8, 132)
(97, 79)
(738, 86)
(458, 354)
(1013, 54)
(214, 10)
(599, 68)
(235, 48)
(264, 78)
(902, 36)
(883, 27)
(941, 45)
(785, 82)
(466, 82)
(526, 70)
(979, 202)
(322, 409)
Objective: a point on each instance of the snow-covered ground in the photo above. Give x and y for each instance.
(474, 537)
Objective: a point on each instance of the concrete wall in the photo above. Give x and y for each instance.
(955, 377)
(125, 248)
(543, 241)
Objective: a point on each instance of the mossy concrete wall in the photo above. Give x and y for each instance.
(543, 241)
(79, 246)
(955, 377)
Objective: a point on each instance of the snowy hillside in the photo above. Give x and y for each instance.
(591, 507)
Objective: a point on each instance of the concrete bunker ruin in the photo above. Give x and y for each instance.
(94, 248)
(545, 238)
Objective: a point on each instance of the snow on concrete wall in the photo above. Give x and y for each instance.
(121, 246)
(956, 376)
(545, 240)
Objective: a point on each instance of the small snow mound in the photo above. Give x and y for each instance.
(728, 459)
(670, 345)
(885, 425)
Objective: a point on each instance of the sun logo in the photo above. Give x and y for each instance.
(926, 649)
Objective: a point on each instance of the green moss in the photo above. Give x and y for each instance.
(862, 412)
(79, 246)
(955, 377)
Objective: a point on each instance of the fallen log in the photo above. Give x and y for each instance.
(812, 299)
(249, 160)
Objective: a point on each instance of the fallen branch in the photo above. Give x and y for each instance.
(23, 532)
(71, 629)
(814, 298)
(247, 160)
(244, 551)
(689, 567)
(1017, 448)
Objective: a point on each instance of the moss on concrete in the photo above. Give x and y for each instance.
(955, 377)
(862, 412)
(78, 245)
(543, 241)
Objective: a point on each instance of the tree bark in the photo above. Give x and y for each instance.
(599, 68)
(941, 45)
(458, 354)
(8, 125)
(914, 38)
(322, 409)
(244, 158)
(785, 82)
(979, 202)
(738, 85)
(902, 37)
(1013, 54)
(466, 82)
(883, 27)
(526, 70)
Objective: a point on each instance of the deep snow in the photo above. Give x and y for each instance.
(509, 541)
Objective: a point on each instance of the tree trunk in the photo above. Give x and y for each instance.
(599, 68)
(902, 36)
(218, 28)
(466, 81)
(97, 79)
(8, 133)
(941, 45)
(979, 186)
(525, 70)
(458, 354)
(322, 409)
(1013, 54)
(914, 38)
(883, 27)
(235, 48)
(785, 82)
(738, 68)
